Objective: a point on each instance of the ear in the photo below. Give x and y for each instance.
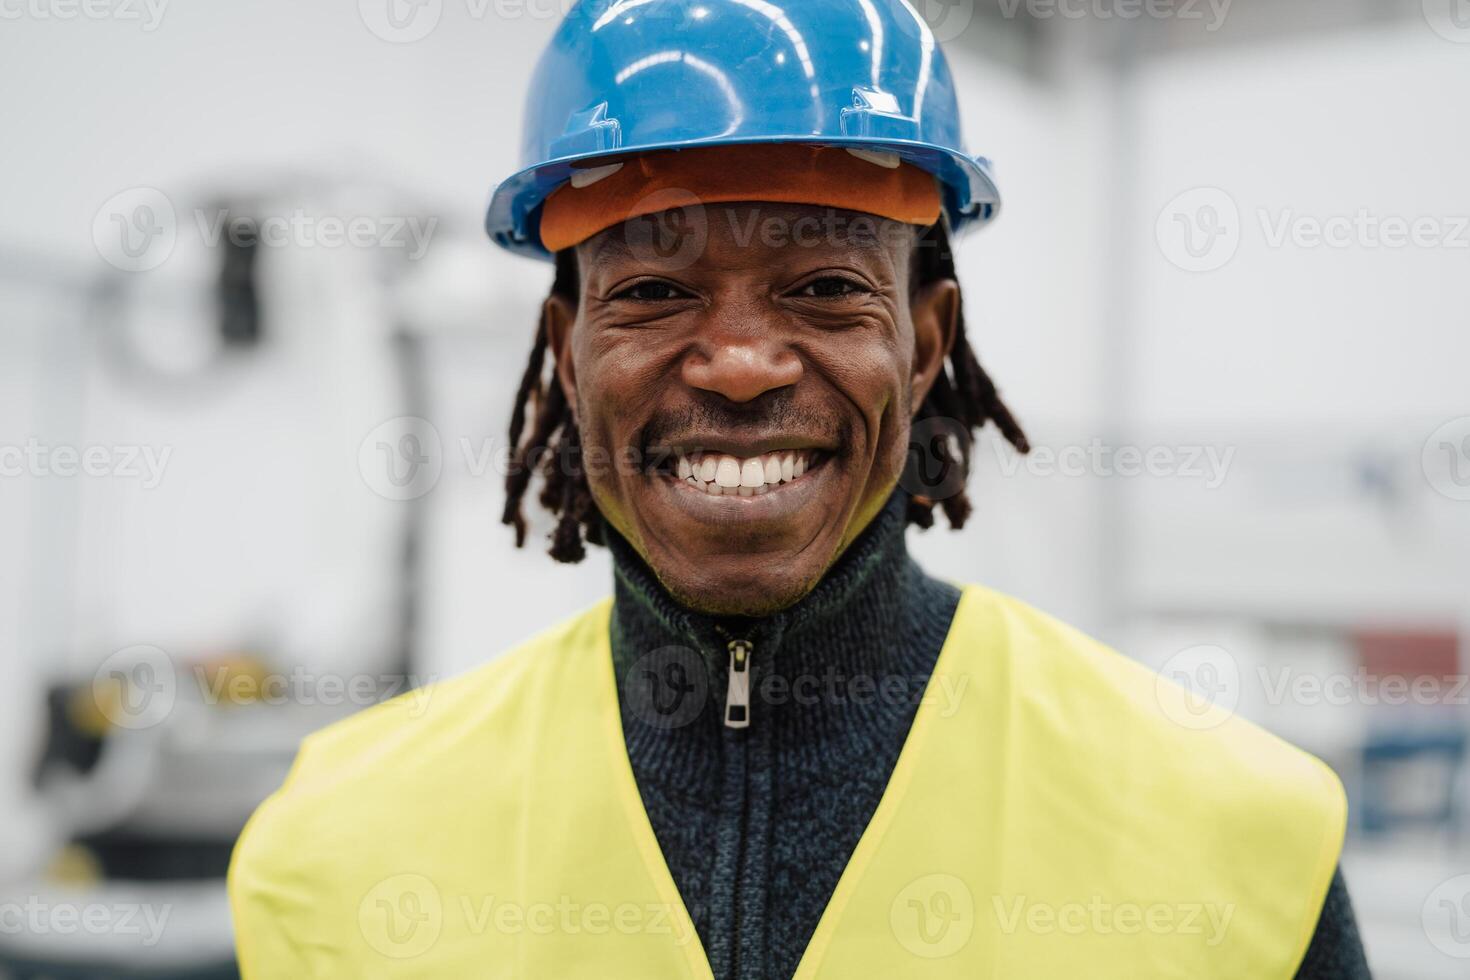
(560, 316)
(935, 311)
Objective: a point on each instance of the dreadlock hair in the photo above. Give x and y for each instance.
(962, 400)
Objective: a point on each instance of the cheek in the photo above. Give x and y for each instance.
(872, 375)
(615, 387)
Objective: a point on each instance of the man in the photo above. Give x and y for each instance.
(782, 749)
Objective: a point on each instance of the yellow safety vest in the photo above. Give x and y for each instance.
(1058, 812)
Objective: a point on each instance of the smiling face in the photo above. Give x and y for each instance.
(764, 385)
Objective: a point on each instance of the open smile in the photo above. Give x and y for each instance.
(717, 474)
(744, 485)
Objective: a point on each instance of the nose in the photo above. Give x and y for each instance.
(742, 363)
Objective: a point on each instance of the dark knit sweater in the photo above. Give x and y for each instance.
(757, 824)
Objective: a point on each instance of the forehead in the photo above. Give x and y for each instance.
(751, 234)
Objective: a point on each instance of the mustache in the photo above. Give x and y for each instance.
(774, 413)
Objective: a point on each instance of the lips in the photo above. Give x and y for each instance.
(725, 474)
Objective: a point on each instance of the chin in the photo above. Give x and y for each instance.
(753, 592)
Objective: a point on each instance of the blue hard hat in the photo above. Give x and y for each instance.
(632, 76)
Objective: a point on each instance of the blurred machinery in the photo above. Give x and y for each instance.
(150, 757)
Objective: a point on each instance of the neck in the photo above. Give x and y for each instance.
(832, 677)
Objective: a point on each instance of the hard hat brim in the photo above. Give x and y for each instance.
(513, 220)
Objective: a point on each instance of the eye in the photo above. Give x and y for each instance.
(831, 287)
(652, 291)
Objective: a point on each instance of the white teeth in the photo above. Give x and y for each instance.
(718, 474)
(727, 474)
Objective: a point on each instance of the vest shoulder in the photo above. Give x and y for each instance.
(419, 743)
(1120, 714)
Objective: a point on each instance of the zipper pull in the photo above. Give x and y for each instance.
(737, 696)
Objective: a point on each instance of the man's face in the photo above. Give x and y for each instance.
(744, 402)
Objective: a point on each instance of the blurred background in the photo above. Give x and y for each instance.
(257, 360)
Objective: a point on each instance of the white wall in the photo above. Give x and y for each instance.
(1309, 342)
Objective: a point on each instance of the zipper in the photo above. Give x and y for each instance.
(737, 694)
